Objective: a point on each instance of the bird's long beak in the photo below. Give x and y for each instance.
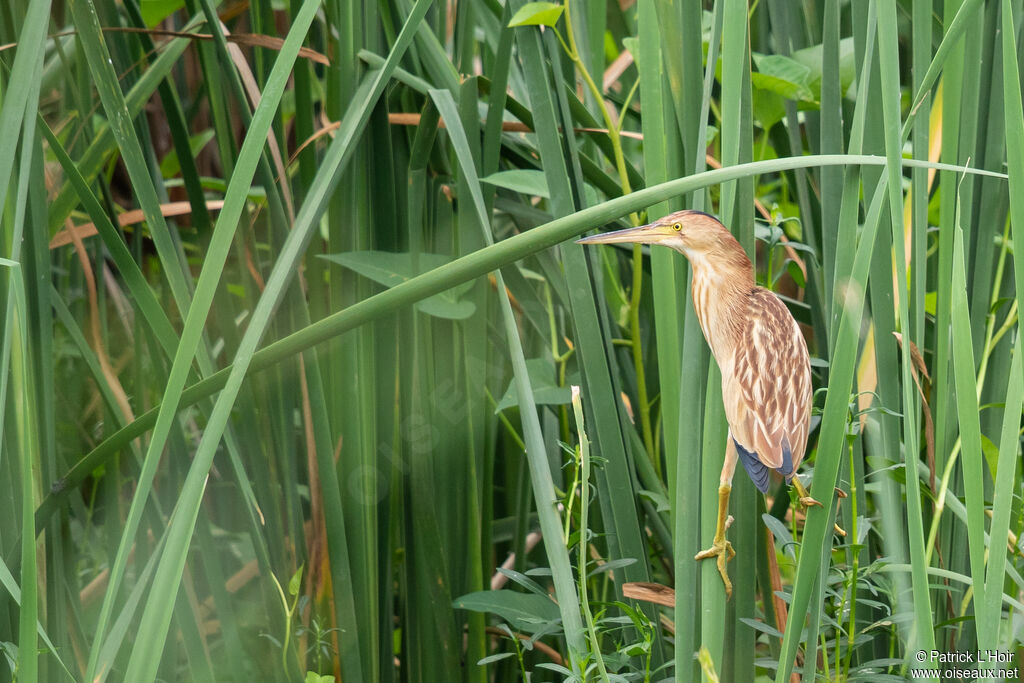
(645, 234)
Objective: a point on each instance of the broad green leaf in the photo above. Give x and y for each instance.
(525, 611)
(811, 58)
(783, 76)
(155, 11)
(523, 180)
(390, 269)
(537, 14)
(769, 107)
(794, 272)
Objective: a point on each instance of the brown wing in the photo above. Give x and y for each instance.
(767, 386)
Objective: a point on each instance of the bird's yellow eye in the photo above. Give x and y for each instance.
(677, 226)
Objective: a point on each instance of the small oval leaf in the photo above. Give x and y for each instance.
(537, 14)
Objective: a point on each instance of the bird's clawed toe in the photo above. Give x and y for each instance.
(807, 502)
(721, 549)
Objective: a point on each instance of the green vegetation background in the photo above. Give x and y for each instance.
(291, 313)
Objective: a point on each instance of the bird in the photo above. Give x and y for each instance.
(762, 355)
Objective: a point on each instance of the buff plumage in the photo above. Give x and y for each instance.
(766, 372)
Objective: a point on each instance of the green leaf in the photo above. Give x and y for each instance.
(526, 181)
(155, 11)
(930, 300)
(811, 58)
(537, 14)
(545, 391)
(991, 453)
(171, 166)
(783, 539)
(783, 76)
(314, 677)
(525, 611)
(390, 269)
(762, 627)
(524, 581)
(612, 565)
(296, 582)
(794, 272)
(660, 500)
(769, 108)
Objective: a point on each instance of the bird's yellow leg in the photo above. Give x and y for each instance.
(721, 548)
(805, 499)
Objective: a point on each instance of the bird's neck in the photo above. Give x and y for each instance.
(720, 298)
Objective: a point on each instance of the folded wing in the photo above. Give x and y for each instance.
(767, 388)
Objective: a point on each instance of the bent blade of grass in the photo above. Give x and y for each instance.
(151, 631)
(156, 618)
(445, 277)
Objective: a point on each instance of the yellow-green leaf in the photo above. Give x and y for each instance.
(537, 14)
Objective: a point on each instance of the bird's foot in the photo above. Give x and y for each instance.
(804, 497)
(721, 549)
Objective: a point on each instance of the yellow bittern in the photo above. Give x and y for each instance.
(766, 372)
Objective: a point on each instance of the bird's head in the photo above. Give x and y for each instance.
(697, 235)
